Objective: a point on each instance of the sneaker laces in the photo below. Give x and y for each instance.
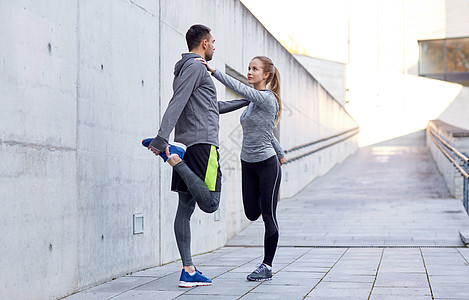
(260, 268)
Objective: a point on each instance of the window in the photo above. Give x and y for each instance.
(446, 59)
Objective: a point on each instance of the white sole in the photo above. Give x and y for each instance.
(180, 145)
(185, 284)
(260, 279)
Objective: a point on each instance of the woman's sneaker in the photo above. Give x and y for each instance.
(263, 272)
(197, 279)
(175, 148)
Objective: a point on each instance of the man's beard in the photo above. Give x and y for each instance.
(208, 57)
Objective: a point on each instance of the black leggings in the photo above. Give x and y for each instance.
(261, 181)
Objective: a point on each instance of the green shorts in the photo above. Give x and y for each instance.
(203, 160)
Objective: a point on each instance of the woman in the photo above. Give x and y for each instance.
(261, 154)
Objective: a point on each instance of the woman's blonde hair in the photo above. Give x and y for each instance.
(273, 80)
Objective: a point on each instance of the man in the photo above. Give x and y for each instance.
(193, 112)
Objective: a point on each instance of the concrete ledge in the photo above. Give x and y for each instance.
(464, 234)
(458, 138)
(450, 129)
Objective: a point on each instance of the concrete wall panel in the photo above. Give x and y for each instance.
(118, 88)
(38, 71)
(330, 74)
(37, 146)
(230, 149)
(172, 45)
(457, 23)
(38, 187)
(456, 113)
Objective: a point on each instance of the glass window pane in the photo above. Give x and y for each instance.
(457, 55)
(432, 57)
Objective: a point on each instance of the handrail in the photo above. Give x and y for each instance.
(462, 156)
(460, 169)
(320, 140)
(464, 171)
(292, 159)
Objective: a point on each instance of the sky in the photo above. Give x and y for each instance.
(318, 28)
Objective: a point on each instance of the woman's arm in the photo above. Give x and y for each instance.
(261, 98)
(229, 106)
(278, 149)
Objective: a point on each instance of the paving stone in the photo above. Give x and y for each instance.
(442, 290)
(305, 268)
(448, 270)
(328, 297)
(296, 279)
(147, 295)
(167, 283)
(291, 291)
(345, 285)
(402, 293)
(349, 278)
(91, 296)
(157, 272)
(445, 279)
(319, 293)
(207, 297)
(120, 285)
(234, 275)
(383, 293)
(229, 287)
(401, 280)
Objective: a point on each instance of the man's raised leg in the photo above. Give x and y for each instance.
(207, 200)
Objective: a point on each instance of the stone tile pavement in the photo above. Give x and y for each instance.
(307, 273)
(381, 225)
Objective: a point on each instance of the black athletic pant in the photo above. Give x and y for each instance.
(261, 181)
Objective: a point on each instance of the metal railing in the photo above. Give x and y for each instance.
(350, 132)
(460, 161)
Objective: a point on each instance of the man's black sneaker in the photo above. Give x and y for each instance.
(262, 272)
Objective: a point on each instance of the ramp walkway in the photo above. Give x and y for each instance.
(380, 225)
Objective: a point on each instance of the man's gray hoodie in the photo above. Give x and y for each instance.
(193, 109)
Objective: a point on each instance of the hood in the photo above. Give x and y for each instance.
(184, 59)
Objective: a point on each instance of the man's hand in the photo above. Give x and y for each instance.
(156, 152)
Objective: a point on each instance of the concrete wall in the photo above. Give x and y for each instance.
(456, 113)
(81, 83)
(117, 86)
(391, 104)
(78, 91)
(453, 178)
(330, 74)
(457, 23)
(38, 150)
(382, 80)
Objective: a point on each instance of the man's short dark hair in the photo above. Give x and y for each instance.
(195, 35)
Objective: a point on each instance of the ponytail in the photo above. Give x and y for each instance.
(273, 81)
(275, 88)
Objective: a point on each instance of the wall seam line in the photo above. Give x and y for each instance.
(160, 260)
(77, 193)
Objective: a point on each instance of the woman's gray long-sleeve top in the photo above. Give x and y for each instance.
(257, 121)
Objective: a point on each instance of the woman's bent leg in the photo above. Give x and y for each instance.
(250, 189)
